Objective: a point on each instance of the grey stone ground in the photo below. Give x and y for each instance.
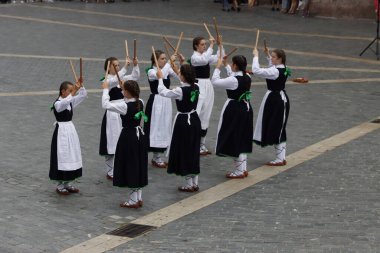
(328, 204)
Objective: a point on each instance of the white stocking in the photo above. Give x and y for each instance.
(280, 152)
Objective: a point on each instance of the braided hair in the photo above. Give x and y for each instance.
(158, 53)
(188, 72)
(241, 63)
(110, 60)
(280, 54)
(196, 42)
(133, 88)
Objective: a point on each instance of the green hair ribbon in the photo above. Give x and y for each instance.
(245, 96)
(194, 95)
(141, 114)
(287, 72)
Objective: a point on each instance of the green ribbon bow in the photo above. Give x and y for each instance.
(193, 95)
(245, 96)
(148, 68)
(102, 79)
(287, 72)
(141, 114)
(189, 61)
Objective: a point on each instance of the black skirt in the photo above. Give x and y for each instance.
(236, 130)
(54, 173)
(103, 136)
(274, 120)
(131, 160)
(184, 147)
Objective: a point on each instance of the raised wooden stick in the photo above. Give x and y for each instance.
(178, 43)
(170, 44)
(208, 31)
(108, 68)
(126, 49)
(232, 51)
(257, 38)
(216, 29)
(134, 49)
(167, 53)
(220, 47)
(155, 58)
(117, 74)
(265, 44)
(73, 70)
(80, 70)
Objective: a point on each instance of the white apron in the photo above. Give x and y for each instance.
(113, 130)
(68, 147)
(160, 122)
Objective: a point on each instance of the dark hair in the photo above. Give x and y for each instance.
(188, 72)
(109, 59)
(280, 54)
(196, 42)
(133, 88)
(64, 85)
(158, 54)
(241, 62)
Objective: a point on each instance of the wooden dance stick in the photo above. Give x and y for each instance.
(155, 58)
(265, 44)
(73, 70)
(108, 68)
(117, 74)
(220, 47)
(170, 44)
(208, 31)
(167, 53)
(232, 51)
(126, 49)
(134, 49)
(81, 70)
(216, 29)
(178, 43)
(257, 38)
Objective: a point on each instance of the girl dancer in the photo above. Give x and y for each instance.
(184, 146)
(131, 156)
(235, 127)
(201, 60)
(274, 110)
(111, 123)
(159, 110)
(65, 156)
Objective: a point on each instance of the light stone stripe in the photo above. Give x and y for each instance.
(183, 22)
(52, 57)
(48, 92)
(98, 244)
(288, 51)
(145, 88)
(219, 192)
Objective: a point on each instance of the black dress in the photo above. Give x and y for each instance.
(54, 173)
(184, 147)
(131, 156)
(236, 126)
(274, 111)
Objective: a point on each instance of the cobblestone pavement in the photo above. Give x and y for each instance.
(327, 204)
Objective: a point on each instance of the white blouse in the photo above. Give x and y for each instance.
(166, 71)
(175, 93)
(271, 72)
(198, 59)
(64, 103)
(229, 83)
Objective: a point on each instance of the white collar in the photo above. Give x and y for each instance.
(238, 73)
(127, 100)
(279, 66)
(184, 84)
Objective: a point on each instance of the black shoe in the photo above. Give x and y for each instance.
(272, 8)
(238, 9)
